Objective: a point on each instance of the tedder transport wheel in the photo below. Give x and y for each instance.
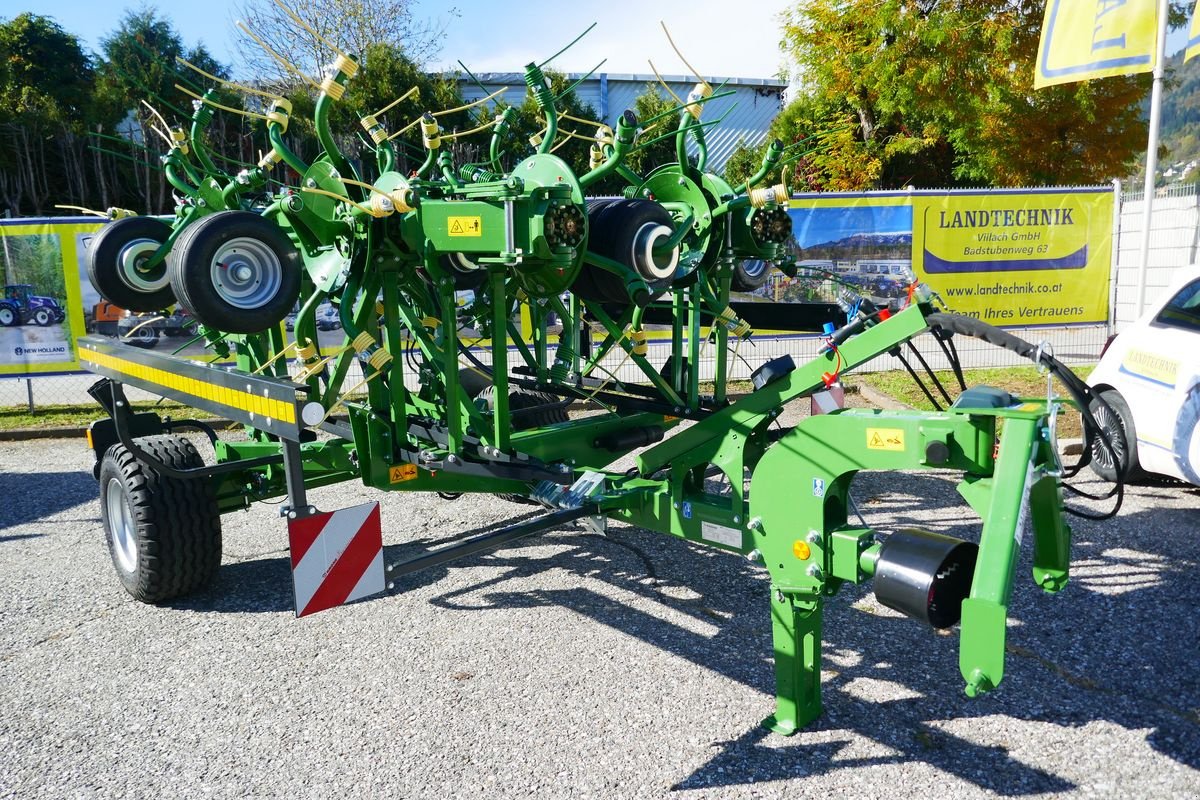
(236, 272)
(1116, 426)
(116, 264)
(142, 337)
(164, 534)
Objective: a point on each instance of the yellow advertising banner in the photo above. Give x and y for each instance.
(42, 308)
(1193, 42)
(1084, 39)
(1018, 257)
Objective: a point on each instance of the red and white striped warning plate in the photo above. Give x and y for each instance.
(336, 557)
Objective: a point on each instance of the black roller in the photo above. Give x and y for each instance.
(629, 438)
(625, 231)
(925, 575)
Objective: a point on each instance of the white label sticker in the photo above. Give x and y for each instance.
(730, 537)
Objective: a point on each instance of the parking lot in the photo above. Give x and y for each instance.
(576, 665)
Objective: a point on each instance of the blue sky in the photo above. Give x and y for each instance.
(743, 45)
(820, 225)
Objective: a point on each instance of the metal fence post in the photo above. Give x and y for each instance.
(1118, 201)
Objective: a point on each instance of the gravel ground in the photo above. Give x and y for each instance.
(575, 665)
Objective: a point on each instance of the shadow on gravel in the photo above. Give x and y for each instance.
(1117, 647)
(18, 537)
(1104, 651)
(18, 505)
(264, 585)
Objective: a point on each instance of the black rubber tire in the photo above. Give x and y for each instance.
(9, 316)
(613, 227)
(585, 284)
(1118, 426)
(191, 272)
(103, 259)
(520, 399)
(43, 317)
(473, 381)
(747, 280)
(1185, 429)
(176, 523)
(464, 279)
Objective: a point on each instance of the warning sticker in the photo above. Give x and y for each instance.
(730, 537)
(465, 226)
(402, 473)
(885, 439)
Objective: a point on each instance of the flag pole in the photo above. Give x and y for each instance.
(1160, 66)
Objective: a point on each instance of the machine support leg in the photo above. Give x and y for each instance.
(985, 612)
(293, 475)
(796, 629)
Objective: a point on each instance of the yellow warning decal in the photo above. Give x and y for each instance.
(465, 226)
(885, 439)
(402, 473)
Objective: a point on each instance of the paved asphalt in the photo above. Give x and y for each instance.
(575, 665)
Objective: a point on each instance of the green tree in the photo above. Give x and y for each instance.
(140, 64)
(45, 96)
(651, 103)
(36, 260)
(530, 126)
(827, 153)
(352, 25)
(386, 74)
(942, 94)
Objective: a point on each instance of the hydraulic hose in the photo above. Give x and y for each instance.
(1080, 392)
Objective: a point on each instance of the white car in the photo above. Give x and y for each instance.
(327, 317)
(1150, 376)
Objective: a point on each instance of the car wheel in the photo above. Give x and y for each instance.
(236, 271)
(116, 264)
(142, 337)
(1187, 437)
(164, 534)
(1118, 461)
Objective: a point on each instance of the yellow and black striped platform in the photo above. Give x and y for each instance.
(269, 404)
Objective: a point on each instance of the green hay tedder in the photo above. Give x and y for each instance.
(561, 283)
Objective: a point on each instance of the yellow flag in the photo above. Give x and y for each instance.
(1083, 39)
(1193, 45)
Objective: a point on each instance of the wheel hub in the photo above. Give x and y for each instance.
(1112, 429)
(132, 269)
(122, 526)
(246, 273)
(654, 266)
